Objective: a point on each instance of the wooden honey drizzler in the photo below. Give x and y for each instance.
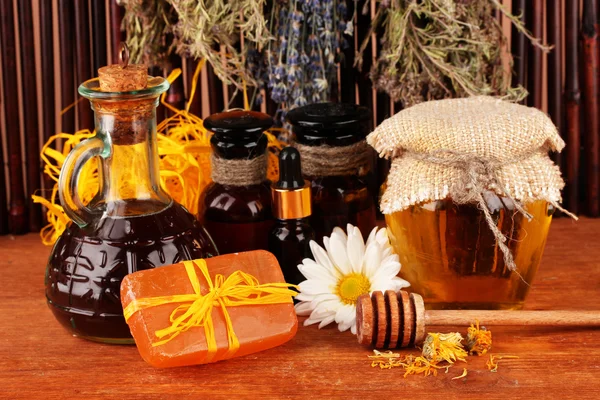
(393, 320)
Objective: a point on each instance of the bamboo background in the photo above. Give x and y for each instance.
(48, 47)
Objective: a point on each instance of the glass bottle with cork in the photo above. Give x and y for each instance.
(131, 224)
(236, 206)
(337, 160)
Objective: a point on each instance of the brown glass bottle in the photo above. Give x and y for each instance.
(130, 225)
(337, 198)
(237, 211)
(289, 240)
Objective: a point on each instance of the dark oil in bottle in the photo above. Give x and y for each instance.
(238, 218)
(289, 241)
(87, 265)
(338, 201)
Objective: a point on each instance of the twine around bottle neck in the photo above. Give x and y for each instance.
(239, 172)
(335, 160)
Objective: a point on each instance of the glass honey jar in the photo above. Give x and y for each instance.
(337, 162)
(469, 198)
(450, 255)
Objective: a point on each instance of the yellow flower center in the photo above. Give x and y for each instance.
(351, 286)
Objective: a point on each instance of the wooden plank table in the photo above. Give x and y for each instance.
(39, 359)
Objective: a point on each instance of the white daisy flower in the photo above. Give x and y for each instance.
(344, 270)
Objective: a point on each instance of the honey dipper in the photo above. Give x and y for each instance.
(394, 320)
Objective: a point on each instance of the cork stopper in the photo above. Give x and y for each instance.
(123, 77)
(129, 116)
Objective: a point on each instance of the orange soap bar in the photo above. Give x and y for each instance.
(257, 327)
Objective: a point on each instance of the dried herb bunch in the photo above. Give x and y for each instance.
(201, 29)
(435, 49)
(148, 24)
(302, 62)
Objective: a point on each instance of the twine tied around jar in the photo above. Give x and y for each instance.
(335, 160)
(238, 172)
(479, 174)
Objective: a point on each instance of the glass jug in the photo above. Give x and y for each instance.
(131, 224)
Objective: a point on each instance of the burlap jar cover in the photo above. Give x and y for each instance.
(460, 148)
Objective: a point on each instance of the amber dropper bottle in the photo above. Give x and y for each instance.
(291, 235)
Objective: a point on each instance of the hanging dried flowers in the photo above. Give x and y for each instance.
(303, 59)
(148, 23)
(206, 30)
(435, 49)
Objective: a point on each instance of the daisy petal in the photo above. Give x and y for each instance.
(326, 244)
(315, 271)
(382, 237)
(325, 297)
(372, 259)
(303, 308)
(356, 250)
(314, 287)
(339, 255)
(343, 313)
(324, 308)
(400, 283)
(382, 285)
(339, 232)
(326, 321)
(353, 328)
(371, 237)
(320, 255)
(310, 321)
(387, 271)
(304, 297)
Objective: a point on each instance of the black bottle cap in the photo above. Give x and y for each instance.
(238, 134)
(333, 124)
(290, 170)
(237, 124)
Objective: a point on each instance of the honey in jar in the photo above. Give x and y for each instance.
(450, 256)
(469, 198)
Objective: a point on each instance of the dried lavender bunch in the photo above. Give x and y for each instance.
(302, 62)
(434, 49)
(202, 29)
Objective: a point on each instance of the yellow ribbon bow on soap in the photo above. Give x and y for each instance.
(239, 289)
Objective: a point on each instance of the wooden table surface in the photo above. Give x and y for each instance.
(39, 359)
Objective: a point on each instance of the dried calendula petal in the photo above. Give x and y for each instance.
(444, 347)
(492, 363)
(464, 374)
(479, 340)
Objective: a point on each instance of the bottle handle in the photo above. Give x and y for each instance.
(69, 177)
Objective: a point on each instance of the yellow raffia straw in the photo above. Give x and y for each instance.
(239, 289)
(184, 151)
